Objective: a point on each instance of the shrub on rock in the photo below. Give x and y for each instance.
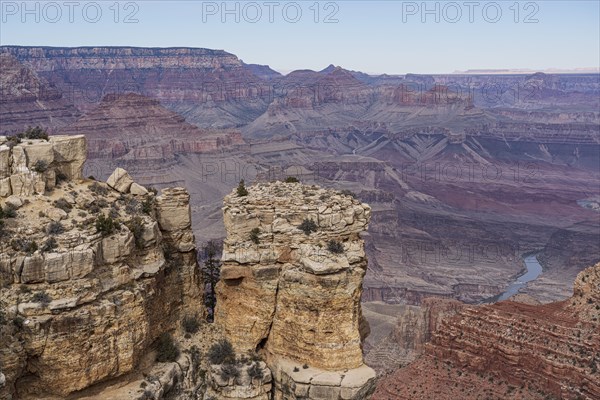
(221, 352)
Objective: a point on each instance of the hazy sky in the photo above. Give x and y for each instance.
(374, 36)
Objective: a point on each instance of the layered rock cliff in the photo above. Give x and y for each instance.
(291, 282)
(545, 350)
(136, 131)
(212, 88)
(27, 99)
(91, 274)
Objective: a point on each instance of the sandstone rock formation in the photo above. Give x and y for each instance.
(32, 166)
(545, 350)
(254, 382)
(84, 299)
(295, 294)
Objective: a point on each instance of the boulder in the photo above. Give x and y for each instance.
(14, 201)
(138, 190)
(120, 180)
(56, 214)
(70, 153)
(5, 187)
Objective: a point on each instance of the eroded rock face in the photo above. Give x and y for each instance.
(34, 165)
(282, 290)
(548, 350)
(254, 382)
(28, 99)
(85, 303)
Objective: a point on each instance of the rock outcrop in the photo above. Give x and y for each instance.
(294, 294)
(546, 350)
(32, 166)
(84, 299)
(254, 382)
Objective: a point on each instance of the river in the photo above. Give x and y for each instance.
(534, 269)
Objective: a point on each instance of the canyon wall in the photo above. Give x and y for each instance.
(294, 295)
(91, 275)
(545, 350)
(26, 99)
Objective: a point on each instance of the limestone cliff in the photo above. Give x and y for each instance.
(295, 293)
(33, 166)
(91, 274)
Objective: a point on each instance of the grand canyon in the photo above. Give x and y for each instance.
(428, 194)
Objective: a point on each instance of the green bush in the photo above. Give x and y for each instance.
(335, 247)
(55, 228)
(136, 226)
(40, 166)
(9, 211)
(254, 235)
(34, 133)
(190, 324)
(166, 349)
(255, 372)
(49, 245)
(18, 322)
(63, 205)
(241, 189)
(308, 226)
(106, 225)
(102, 203)
(221, 352)
(31, 247)
(291, 179)
(99, 189)
(42, 297)
(229, 371)
(147, 205)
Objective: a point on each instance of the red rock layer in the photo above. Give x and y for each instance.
(132, 127)
(550, 349)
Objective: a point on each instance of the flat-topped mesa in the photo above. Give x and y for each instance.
(32, 166)
(291, 282)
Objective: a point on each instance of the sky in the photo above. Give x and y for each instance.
(393, 37)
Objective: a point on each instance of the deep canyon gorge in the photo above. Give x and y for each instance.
(436, 187)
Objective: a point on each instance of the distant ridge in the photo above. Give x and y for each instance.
(589, 70)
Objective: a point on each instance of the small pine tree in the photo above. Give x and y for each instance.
(211, 272)
(241, 189)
